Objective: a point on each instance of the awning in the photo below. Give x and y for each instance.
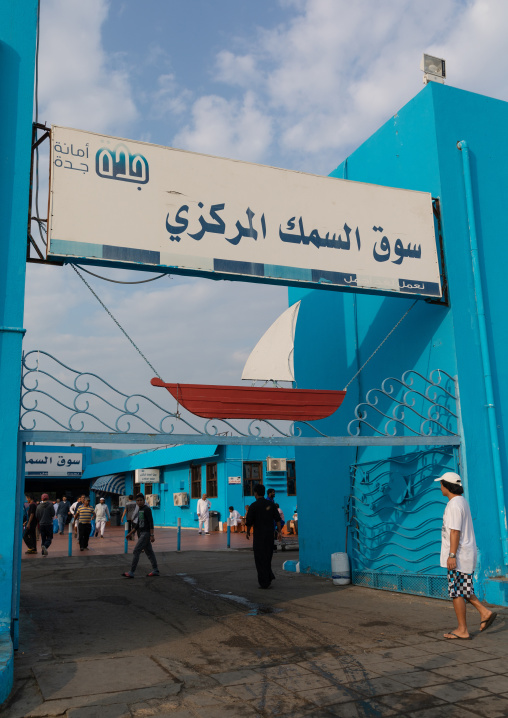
(111, 484)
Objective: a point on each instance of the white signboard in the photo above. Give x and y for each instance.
(147, 476)
(120, 202)
(235, 480)
(50, 464)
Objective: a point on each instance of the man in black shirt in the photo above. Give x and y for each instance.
(45, 514)
(261, 517)
(29, 533)
(143, 524)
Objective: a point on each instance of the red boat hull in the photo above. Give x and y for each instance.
(252, 402)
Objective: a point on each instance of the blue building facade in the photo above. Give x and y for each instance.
(227, 474)
(385, 497)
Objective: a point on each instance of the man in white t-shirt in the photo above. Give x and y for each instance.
(458, 555)
(203, 511)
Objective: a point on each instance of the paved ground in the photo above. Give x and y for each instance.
(203, 641)
(114, 540)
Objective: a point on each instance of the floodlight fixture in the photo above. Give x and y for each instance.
(433, 68)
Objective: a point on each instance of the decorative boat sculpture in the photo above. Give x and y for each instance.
(270, 360)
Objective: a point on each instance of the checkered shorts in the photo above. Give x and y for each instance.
(460, 585)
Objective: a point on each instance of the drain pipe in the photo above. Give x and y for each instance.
(487, 372)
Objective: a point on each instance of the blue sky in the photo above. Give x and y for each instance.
(291, 83)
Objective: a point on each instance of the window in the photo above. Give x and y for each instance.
(195, 472)
(291, 469)
(252, 475)
(211, 481)
(148, 489)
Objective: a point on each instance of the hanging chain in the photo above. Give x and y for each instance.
(379, 347)
(116, 321)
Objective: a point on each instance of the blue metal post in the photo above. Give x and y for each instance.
(484, 346)
(178, 534)
(229, 535)
(125, 540)
(71, 529)
(18, 24)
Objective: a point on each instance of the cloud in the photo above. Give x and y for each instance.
(230, 128)
(334, 71)
(80, 85)
(236, 69)
(475, 49)
(168, 98)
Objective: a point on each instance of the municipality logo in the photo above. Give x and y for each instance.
(119, 164)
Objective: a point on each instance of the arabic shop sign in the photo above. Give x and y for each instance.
(129, 203)
(51, 464)
(147, 476)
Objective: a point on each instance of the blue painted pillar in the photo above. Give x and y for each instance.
(18, 23)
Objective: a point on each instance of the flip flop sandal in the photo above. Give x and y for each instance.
(490, 620)
(457, 638)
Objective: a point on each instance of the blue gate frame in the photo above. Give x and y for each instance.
(60, 405)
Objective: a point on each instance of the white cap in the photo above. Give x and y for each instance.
(101, 498)
(451, 477)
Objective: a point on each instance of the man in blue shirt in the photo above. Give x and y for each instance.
(143, 524)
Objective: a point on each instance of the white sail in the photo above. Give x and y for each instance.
(272, 357)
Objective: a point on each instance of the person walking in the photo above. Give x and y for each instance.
(101, 516)
(458, 555)
(84, 515)
(62, 513)
(270, 495)
(29, 531)
(261, 517)
(131, 508)
(143, 525)
(45, 514)
(203, 511)
(75, 506)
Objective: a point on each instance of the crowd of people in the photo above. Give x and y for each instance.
(45, 518)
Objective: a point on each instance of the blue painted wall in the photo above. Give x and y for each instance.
(229, 459)
(417, 150)
(17, 59)
(175, 464)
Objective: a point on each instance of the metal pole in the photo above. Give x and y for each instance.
(178, 534)
(484, 346)
(125, 540)
(229, 534)
(18, 543)
(71, 529)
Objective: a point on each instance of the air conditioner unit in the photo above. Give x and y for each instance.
(275, 464)
(181, 499)
(152, 499)
(122, 501)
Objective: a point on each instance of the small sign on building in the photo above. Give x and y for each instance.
(38, 463)
(235, 480)
(147, 476)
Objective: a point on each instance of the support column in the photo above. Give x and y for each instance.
(18, 23)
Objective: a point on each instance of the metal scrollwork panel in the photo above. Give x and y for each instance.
(56, 396)
(414, 405)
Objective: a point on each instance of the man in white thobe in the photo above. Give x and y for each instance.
(203, 510)
(101, 516)
(235, 519)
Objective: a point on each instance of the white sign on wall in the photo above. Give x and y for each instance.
(123, 202)
(39, 463)
(147, 476)
(235, 480)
